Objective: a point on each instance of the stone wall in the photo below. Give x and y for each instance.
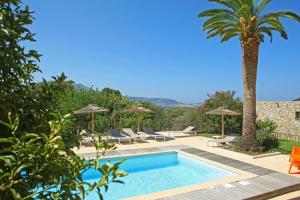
(281, 112)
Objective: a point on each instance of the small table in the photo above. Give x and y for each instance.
(217, 137)
(215, 140)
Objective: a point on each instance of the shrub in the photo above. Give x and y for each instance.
(267, 126)
(178, 118)
(264, 134)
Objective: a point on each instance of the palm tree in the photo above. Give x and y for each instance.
(246, 20)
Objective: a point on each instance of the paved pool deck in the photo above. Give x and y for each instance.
(270, 180)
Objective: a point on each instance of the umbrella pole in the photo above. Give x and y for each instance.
(93, 123)
(138, 122)
(222, 126)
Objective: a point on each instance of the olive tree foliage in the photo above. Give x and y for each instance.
(73, 99)
(35, 162)
(179, 118)
(212, 123)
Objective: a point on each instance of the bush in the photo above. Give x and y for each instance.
(267, 141)
(264, 134)
(38, 166)
(178, 118)
(267, 126)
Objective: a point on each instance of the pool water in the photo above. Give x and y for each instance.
(156, 172)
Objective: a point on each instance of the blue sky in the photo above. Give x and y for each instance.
(156, 48)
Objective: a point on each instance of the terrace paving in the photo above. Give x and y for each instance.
(266, 184)
(271, 178)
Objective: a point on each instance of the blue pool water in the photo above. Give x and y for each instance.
(157, 172)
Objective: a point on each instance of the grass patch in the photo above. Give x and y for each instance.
(284, 146)
(208, 135)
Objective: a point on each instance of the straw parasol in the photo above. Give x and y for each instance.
(223, 112)
(91, 108)
(138, 110)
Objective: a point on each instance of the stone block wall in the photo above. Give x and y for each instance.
(281, 112)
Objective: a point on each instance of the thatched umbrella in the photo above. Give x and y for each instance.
(223, 112)
(91, 108)
(138, 110)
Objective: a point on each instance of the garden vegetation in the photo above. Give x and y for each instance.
(35, 163)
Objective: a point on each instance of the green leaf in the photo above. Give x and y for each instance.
(4, 31)
(7, 140)
(118, 181)
(82, 192)
(55, 139)
(9, 160)
(16, 195)
(284, 34)
(6, 124)
(7, 174)
(120, 173)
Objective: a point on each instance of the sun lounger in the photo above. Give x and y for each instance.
(131, 133)
(86, 138)
(221, 142)
(151, 134)
(116, 135)
(187, 130)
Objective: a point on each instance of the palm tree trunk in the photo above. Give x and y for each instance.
(250, 51)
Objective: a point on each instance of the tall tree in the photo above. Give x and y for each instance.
(212, 123)
(16, 63)
(247, 20)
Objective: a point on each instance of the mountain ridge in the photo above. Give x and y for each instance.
(162, 102)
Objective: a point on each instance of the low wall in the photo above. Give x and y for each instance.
(281, 112)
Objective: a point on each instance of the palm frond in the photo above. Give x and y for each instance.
(261, 37)
(244, 12)
(228, 35)
(272, 21)
(266, 30)
(232, 4)
(285, 14)
(251, 6)
(273, 24)
(284, 34)
(261, 6)
(221, 30)
(221, 27)
(244, 18)
(213, 12)
(219, 19)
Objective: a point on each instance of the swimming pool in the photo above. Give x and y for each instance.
(157, 172)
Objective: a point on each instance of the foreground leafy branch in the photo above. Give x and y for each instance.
(37, 165)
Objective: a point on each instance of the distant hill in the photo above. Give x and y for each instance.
(163, 102)
(297, 99)
(80, 86)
